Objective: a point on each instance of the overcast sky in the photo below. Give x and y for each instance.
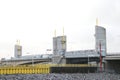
(33, 22)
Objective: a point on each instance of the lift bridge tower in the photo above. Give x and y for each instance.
(59, 48)
(17, 49)
(100, 44)
(100, 39)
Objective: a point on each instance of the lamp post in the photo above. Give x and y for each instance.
(33, 60)
(32, 56)
(88, 59)
(88, 63)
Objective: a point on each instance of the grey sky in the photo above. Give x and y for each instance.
(34, 22)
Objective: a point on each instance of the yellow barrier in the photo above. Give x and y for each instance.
(37, 69)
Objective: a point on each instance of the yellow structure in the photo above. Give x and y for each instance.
(41, 69)
(36, 69)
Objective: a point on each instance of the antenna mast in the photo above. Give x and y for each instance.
(18, 42)
(96, 21)
(55, 32)
(63, 39)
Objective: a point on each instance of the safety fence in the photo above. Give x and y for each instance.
(73, 65)
(41, 69)
(73, 68)
(45, 68)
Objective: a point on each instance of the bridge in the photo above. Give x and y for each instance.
(21, 61)
(111, 57)
(112, 62)
(81, 57)
(71, 57)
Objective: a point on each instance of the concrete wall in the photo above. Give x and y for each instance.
(59, 45)
(54, 45)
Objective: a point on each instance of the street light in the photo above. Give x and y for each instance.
(31, 58)
(32, 62)
(88, 59)
(88, 63)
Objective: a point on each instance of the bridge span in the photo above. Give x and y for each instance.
(25, 61)
(112, 63)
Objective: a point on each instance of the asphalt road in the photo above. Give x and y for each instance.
(73, 76)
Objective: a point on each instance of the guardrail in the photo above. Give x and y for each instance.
(73, 65)
(42, 69)
(39, 68)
